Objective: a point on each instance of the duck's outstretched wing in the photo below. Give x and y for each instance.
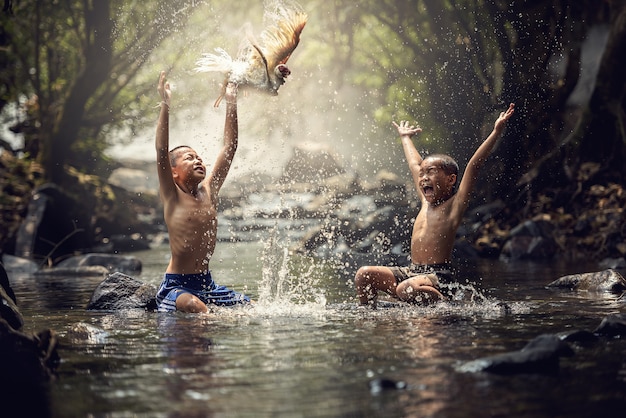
(281, 37)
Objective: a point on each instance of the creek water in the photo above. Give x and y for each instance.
(305, 349)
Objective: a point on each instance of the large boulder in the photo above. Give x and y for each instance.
(119, 291)
(602, 281)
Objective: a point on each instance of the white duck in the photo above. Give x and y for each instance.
(261, 65)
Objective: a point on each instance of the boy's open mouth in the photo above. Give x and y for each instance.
(428, 190)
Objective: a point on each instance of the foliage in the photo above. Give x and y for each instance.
(75, 72)
(77, 75)
(453, 64)
(18, 177)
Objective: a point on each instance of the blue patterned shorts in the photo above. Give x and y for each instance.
(200, 285)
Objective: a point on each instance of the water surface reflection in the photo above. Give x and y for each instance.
(317, 356)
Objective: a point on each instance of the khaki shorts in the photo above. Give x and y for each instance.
(438, 273)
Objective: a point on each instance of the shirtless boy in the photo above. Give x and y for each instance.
(434, 230)
(189, 199)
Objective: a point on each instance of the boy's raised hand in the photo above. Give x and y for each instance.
(404, 129)
(164, 89)
(504, 116)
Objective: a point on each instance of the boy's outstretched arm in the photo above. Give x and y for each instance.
(231, 138)
(167, 187)
(413, 157)
(481, 154)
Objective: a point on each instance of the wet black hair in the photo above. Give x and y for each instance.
(173, 154)
(448, 164)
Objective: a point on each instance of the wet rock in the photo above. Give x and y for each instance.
(612, 326)
(580, 337)
(27, 358)
(81, 332)
(541, 355)
(112, 262)
(84, 271)
(19, 265)
(530, 240)
(119, 291)
(602, 281)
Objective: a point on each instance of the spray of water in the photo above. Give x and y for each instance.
(283, 290)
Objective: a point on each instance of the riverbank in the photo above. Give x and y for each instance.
(339, 213)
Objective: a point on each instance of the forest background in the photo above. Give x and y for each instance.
(77, 79)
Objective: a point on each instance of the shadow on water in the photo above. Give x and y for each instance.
(306, 349)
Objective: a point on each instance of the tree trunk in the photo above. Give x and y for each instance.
(98, 53)
(602, 131)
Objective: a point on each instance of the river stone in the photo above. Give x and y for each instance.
(541, 355)
(580, 337)
(112, 262)
(612, 326)
(8, 307)
(603, 281)
(119, 291)
(84, 271)
(82, 332)
(27, 358)
(19, 265)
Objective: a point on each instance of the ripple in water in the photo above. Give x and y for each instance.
(286, 292)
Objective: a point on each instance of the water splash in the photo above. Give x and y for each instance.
(468, 300)
(284, 290)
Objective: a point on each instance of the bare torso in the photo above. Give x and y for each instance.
(434, 233)
(192, 226)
